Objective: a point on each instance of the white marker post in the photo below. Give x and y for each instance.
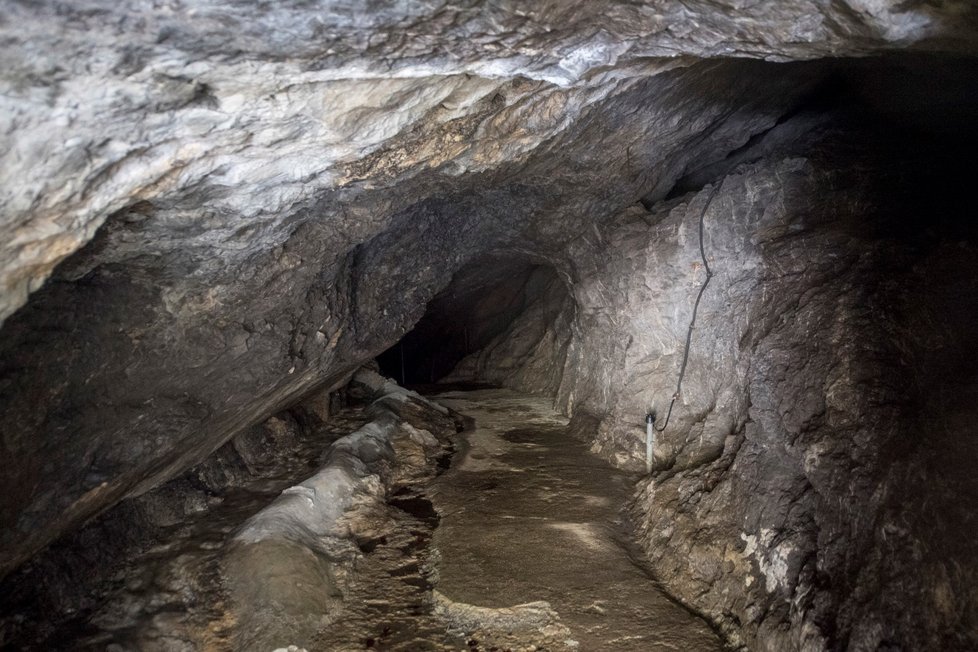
(649, 441)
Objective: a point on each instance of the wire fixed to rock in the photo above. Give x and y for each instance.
(696, 307)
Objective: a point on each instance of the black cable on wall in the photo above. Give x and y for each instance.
(696, 307)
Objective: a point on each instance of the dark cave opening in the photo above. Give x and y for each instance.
(479, 307)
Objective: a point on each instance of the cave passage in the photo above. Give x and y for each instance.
(479, 310)
(337, 328)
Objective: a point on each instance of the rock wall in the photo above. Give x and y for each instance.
(793, 497)
(286, 567)
(189, 111)
(257, 548)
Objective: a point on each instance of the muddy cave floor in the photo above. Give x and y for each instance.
(520, 544)
(525, 515)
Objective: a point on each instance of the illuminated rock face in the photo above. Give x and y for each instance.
(788, 500)
(245, 204)
(230, 120)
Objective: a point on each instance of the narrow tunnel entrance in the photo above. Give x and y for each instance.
(499, 319)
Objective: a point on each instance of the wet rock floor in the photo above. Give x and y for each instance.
(528, 513)
(520, 545)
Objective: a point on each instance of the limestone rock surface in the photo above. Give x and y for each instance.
(786, 499)
(219, 122)
(212, 209)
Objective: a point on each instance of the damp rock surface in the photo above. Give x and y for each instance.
(148, 575)
(163, 338)
(292, 570)
(210, 210)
